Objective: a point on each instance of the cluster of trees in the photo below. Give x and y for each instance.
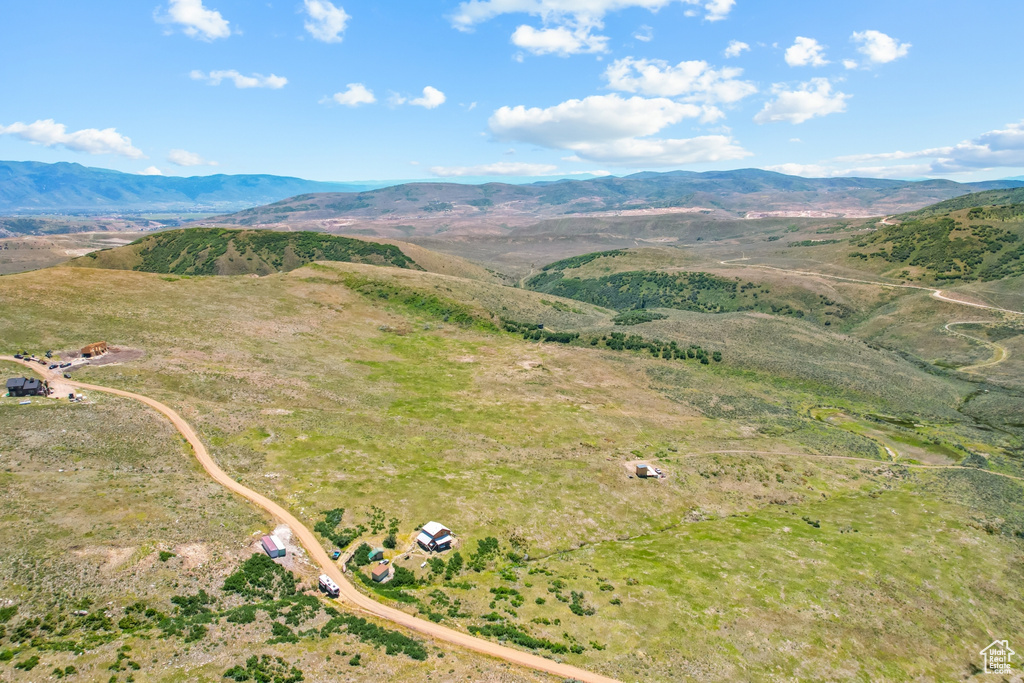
(637, 317)
(328, 528)
(950, 250)
(260, 578)
(393, 642)
(196, 251)
(616, 341)
(265, 670)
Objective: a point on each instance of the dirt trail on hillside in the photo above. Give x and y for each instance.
(1001, 352)
(936, 293)
(319, 556)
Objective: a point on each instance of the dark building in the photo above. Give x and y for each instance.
(20, 386)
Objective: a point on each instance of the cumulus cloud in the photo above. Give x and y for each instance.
(241, 81)
(878, 47)
(806, 52)
(850, 63)
(326, 22)
(355, 95)
(811, 99)
(614, 130)
(568, 26)
(736, 48)
(504, 168)
(180, 157)
(695, 81)
(196, 20)
(561, 40)
(432, 98)
(49, 133)
(152, 170)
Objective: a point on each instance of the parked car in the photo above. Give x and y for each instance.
(53, 366)
(65, 365)
(384, 561)
(18, 356)
(336, 554)
(49, 354)
(67, 375)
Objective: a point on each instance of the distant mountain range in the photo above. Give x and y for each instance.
(33, 187)
(36, 188)
(745, 193)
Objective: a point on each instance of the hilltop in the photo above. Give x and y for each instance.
(213, 251)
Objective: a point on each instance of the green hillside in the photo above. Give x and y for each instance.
(217, 251)
(989, 198)
(580, 278)
(975, 237)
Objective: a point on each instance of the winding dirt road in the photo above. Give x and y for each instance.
(349, 594)
(1001, 352)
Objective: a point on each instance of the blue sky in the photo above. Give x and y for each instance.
(358, 90)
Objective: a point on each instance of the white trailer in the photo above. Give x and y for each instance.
(328, 586)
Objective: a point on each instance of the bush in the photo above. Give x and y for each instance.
(261, 578)
(361, 557)
(28, 664)
(165, 555)
(390, 542)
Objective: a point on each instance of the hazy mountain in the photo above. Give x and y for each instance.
(33, 187)
(739, 193)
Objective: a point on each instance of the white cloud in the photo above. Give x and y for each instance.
(152, 170)
(432, 98)
(694, 80)
(806, 52)
(180, 157)
(615, 130)
(89, 140)
(650, 152)
(644, 34)
(568, 26)
(241, 81)
(810, 99)
(736, 48)
(996, 149)
(326, 22)
(196, 20)
(561, 40)
(878, 47)
(718, 9)
(355, 95)
(501, 168)
(850, 63)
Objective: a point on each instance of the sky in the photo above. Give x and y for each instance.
(351, 90)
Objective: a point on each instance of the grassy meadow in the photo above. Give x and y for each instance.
(760, 556)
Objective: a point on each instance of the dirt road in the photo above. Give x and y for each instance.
(1001, 352)
(936, 293)
(349, 594)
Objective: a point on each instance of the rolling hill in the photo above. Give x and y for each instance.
(740, 193)
(212, 251)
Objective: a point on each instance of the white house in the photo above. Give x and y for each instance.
(434, 536)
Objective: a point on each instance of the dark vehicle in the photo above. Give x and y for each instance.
(49, 354)
(41, 361)
(53, 366)
(65, 365)
(67, 375)
(18, 356)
